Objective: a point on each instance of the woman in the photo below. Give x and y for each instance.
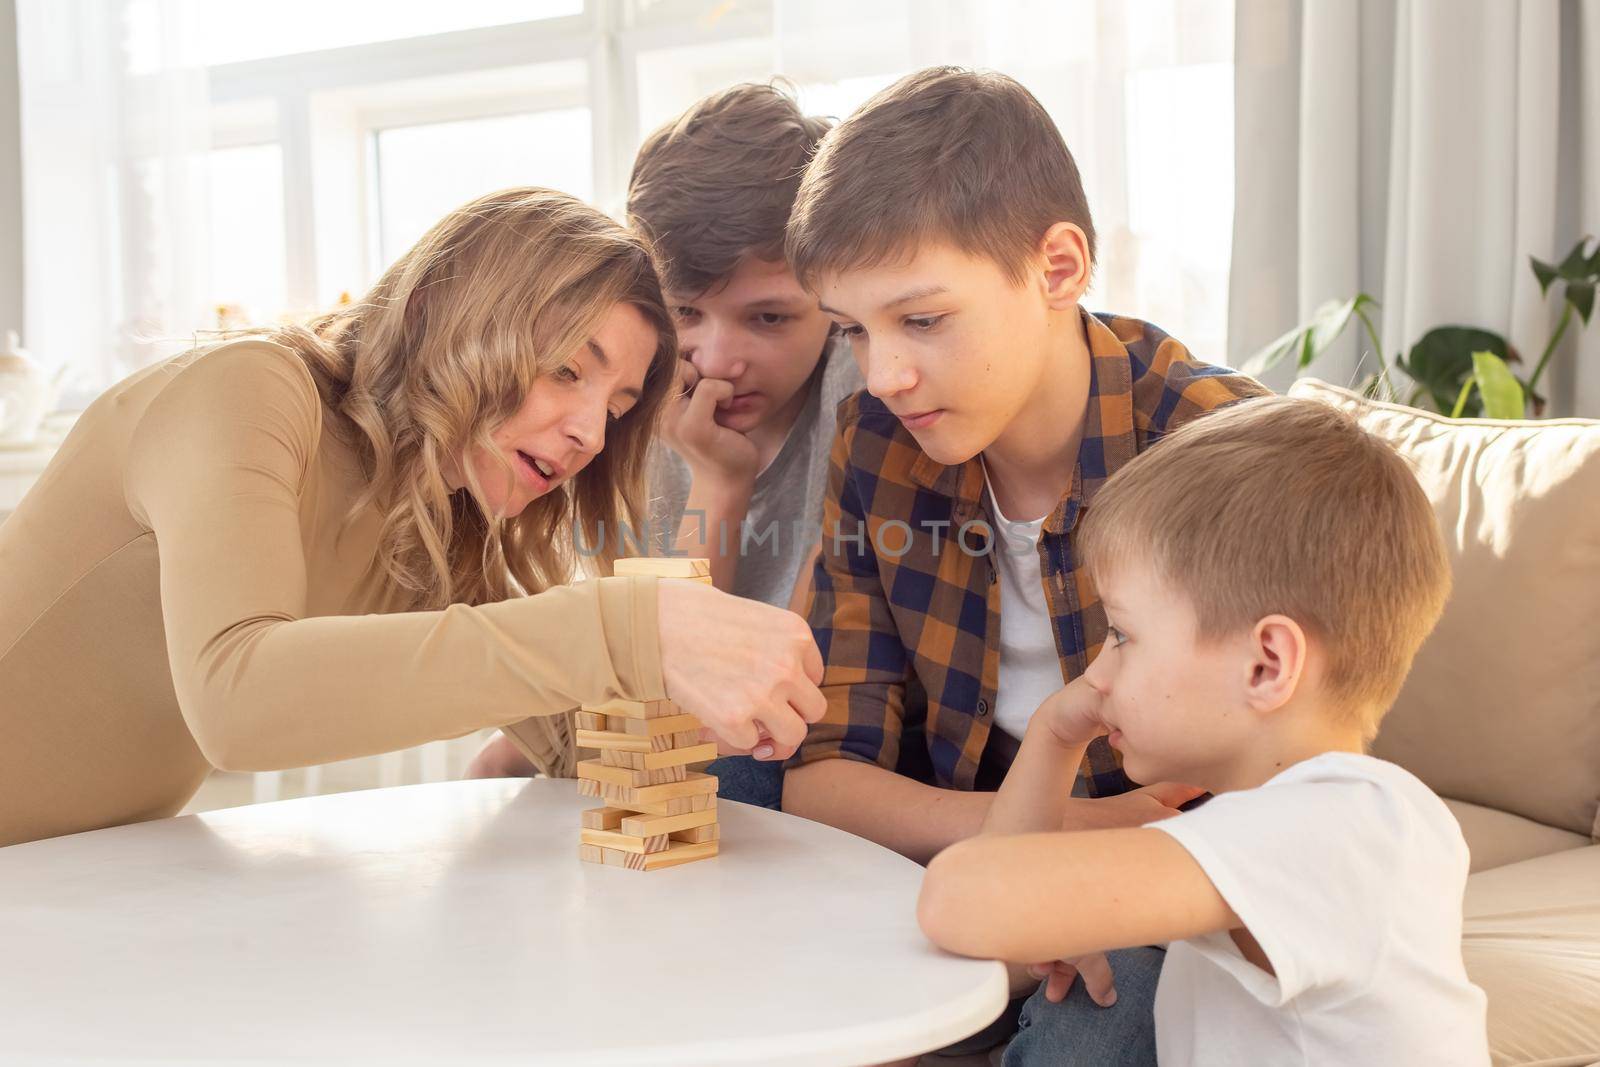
(310, 544)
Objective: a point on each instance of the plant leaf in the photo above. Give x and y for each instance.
(1501, 392)
(1309, 339)
(1576, 266)
(1273, 354)
(1581, 296)
(1327, 324)
(1544, 272)
(1441, 362)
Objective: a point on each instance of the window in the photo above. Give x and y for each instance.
(247, 249)
(426, 171)
(335, 134)
(1181, 238)
(233, 31)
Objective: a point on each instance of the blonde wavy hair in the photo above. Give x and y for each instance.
(445, 348)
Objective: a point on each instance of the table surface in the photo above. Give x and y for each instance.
(454, 923)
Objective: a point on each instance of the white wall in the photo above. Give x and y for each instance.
(10, 173)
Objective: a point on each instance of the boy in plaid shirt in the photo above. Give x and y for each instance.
(944, 228)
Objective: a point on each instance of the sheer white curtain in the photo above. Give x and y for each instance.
(1420, 151)
(115, 129)
(1142, 91)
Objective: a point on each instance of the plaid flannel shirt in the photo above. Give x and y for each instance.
(905, 600)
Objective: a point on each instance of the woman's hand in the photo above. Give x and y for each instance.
(748, 670)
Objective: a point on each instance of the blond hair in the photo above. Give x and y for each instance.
(944, 155)
(1282, 506)
(716, 184)
(444, 348)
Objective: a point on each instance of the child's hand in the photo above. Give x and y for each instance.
(711, 450)
(1137, 807)
(1073, 713)
(1095, 970)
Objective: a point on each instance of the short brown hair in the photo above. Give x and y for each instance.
(945, 154)
(717, 183)
(1286, 506)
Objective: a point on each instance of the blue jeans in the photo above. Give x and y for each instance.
(750, 781)
(1079, 1031)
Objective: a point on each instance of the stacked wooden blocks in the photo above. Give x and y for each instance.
(657, 813)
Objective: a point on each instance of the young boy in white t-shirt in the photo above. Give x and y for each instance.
(1268, 572)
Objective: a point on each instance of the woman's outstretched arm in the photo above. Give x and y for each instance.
(216, 470)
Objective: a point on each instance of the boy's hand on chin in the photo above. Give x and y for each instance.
(1072, 713)
(690, 427)
(1150, 803)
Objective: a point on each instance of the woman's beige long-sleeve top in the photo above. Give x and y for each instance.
(175, 595)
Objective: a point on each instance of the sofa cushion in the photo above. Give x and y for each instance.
(1531, 941)
(1497, 838)
(1502, 707)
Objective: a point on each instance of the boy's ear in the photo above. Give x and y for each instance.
(1067, 266)
(1278, 649)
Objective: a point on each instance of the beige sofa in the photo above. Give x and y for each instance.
(1501, 712)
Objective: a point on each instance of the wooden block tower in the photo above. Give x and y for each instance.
(657, 812)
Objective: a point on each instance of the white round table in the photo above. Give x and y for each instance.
(454, 923)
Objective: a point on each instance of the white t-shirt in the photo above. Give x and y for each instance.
(1349, 872)
(1030, 666)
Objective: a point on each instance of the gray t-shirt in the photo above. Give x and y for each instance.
(785, 517)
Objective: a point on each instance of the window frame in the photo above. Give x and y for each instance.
(321, 107)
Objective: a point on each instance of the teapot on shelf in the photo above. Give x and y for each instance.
(27, 394)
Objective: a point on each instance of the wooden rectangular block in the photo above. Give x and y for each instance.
(673, 806)
(699, 803)
(618, 776)
(695, 783)
(619, 794)
(676, 853)
(629, 777)
(606, 818)
(699, 834)
(652, 761)
(604, 739)
(689, 739)
(670, 724)
(635, 761)
(662, 567)
(635, 709)
(625, 742)
(647, 754)
(624, 842)
(589, 720)
(651, 825)
(591, 853)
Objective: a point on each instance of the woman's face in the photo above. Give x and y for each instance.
(562, 422)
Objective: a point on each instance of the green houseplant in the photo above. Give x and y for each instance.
(1454, 370)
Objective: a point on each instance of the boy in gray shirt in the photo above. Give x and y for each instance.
(781, 524)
